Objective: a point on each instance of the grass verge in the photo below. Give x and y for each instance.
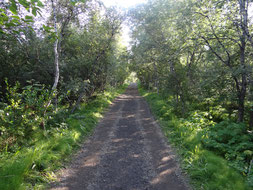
(206, 170)
(33, 166)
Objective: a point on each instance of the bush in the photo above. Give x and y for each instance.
(32, 165)
(22, 114)
(214, 155)
(233, 142)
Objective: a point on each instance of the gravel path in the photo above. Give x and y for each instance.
(126, 152)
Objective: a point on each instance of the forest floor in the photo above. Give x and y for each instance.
(127, 151)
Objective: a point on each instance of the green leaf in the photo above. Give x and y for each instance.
(16, 17)
(28, 21)
(248, 152)
(24, 3)
(40, 4)
(15, 21)
(13, 8)
(11, 24)
(3, 14)
(15, 31)
(34, 11)
(28, 17)
(45, 27)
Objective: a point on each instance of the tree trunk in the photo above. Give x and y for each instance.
(182, 104)
(251, 118)
(241, 99)
(250, 38)
(56, 62)
(243, 89)
(56, 53)
(156, 78)
(78, 100)
(251, 106)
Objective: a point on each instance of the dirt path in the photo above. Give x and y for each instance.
(126, 152)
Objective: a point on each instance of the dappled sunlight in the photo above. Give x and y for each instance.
(131, 83)
(166, 158)
(97, 115)
(91, 161)
(130, 116)
(161, 176)
(133, 156)
(118, 140)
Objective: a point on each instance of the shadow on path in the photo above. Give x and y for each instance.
(126, 152)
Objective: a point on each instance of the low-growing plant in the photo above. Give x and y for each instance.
(32, 165)
(22, 114)
(233, 142)
(216, 156)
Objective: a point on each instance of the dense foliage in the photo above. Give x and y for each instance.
(33, 165)
(193, 56)
(89, 55)
(53, 57)
(197, 55)
(216, 156)
(197, 51)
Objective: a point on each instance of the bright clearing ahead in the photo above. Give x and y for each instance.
(123, 3)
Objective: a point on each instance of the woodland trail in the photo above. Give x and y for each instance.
(126, 152)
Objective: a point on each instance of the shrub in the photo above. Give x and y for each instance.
(233, 142)
(208, 150)
(22, 114)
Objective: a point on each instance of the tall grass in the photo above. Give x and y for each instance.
(206, 170)
(33, 165)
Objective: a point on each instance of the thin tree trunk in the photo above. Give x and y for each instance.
(250, 38)
(241, 108)
(156, 78)
(78, 101)
(242, 91)
(56, 61)
(56, 53)
(251, 107)
(251, 118)
(182, 106)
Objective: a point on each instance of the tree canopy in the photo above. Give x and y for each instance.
(195, 55)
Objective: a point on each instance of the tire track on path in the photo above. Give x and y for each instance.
(126, 152)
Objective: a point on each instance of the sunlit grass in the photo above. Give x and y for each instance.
(33, 166)
(206, 170)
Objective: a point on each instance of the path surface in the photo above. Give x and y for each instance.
(126, 152)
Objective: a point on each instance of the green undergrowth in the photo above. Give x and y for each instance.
(210, 163)
(33, 165)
